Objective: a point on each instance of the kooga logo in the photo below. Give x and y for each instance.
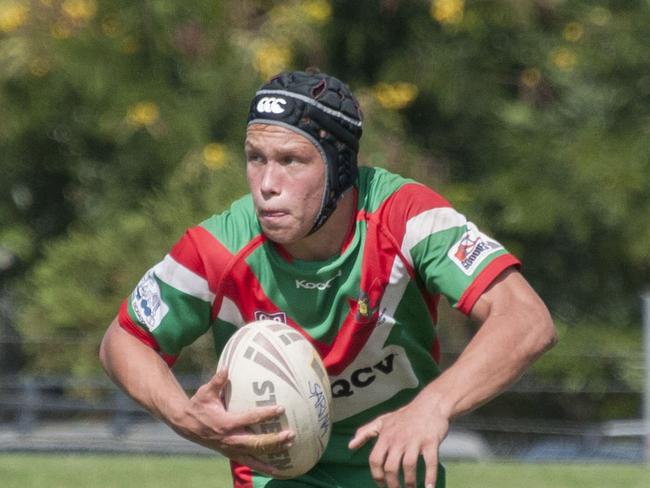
(308, 285)
(271, 105)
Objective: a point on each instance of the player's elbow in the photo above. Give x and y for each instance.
(543, 335)
(103, 353)
(106, 347)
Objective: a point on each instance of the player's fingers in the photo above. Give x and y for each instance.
(256, 444)
(392, 467)
(258, 415)
(376, 462)
(365, 433)
(409, 467)
(212, 389)
(430, 455)
(256, 464)
(218, 381)
(210, 392)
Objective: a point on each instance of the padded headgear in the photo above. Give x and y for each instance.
(324, 110)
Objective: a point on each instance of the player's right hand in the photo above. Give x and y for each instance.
(207, 422)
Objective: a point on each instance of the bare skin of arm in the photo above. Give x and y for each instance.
(202, 418)
(516, 329)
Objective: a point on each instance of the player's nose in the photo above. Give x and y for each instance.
(271, 179)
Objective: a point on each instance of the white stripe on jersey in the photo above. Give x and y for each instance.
(429, 222)
(399, 279)
(376, 351)
(230, 313)
(178, 276)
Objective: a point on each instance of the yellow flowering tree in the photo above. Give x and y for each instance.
(121, 123)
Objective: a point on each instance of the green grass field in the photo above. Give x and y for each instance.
(74, 471)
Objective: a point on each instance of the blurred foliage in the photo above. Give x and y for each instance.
(121, 124)
(89, 272)
(601, 371)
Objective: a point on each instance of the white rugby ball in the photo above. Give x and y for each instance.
(271, 363)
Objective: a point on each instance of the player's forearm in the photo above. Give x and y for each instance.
(143, 375)
(495, 358)
(516, 330)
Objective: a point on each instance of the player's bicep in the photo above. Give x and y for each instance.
(497, 296)
(509, 295)
(120, 348)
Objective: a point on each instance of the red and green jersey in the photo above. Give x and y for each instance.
(369, 311)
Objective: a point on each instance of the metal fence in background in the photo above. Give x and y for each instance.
(69, 413)
(66, 414)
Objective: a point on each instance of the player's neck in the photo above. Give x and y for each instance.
(331, 237)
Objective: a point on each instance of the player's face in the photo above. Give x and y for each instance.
(286, 175)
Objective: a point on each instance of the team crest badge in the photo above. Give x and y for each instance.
(365, 311)
(277, 316)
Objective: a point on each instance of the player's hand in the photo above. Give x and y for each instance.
(401, 437)
(207, 422)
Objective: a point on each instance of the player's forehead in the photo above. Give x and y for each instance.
(261, 136)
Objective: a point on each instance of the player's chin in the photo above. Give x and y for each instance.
(280, 235)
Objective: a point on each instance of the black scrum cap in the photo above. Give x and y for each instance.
(324, 110)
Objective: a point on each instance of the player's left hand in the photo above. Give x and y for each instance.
(401, 437)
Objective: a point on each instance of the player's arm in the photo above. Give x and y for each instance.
(516, 328)
(202, 418)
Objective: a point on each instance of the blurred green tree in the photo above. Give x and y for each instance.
(121, 125)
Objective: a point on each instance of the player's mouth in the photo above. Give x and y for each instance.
(271, 216)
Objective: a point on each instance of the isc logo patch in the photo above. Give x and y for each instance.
(472, 249)
(271, 105)
(147, 302)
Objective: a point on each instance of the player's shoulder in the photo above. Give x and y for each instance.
(235, 227)
(379, 187)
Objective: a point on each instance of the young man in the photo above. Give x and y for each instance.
(353, 258)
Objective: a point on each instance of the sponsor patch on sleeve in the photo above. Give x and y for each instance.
(472, 249)
(147, 302)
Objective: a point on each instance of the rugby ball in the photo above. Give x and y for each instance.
(270, 363)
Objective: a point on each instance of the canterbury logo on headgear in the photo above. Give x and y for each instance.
(271, 105)
(330, 111)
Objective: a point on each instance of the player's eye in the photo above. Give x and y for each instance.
(292, 159)
(254, 158)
